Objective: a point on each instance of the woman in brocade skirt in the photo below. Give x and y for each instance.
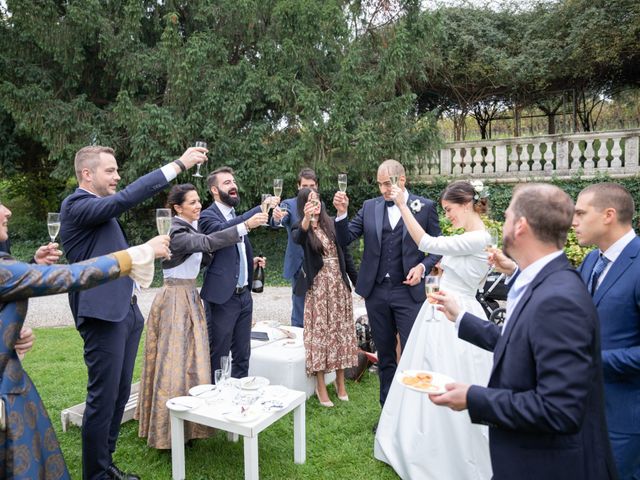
(176, 354)
(329, 329)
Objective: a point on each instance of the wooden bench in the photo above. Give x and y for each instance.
(74, 414)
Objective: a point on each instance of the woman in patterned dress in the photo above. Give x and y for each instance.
(329, 329)
(28, 445)
(176, 353)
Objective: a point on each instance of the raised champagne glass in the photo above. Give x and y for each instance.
(53, 224)
(342, 182)
(163, 220)
(277, 187)
(431, 286)
(393, 176)
(494, 237)
(200, 144)
(265, 204)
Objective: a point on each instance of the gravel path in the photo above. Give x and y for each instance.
(273, 304)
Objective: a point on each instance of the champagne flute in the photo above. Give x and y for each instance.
(285, 209)
(163, 220)
(201, 144)
(53, 224)
(342, 182)
(315, 203)
(277, 187)
(393, 176)
(265, 204)
(431, 286)
(225, 365)
(494, 237)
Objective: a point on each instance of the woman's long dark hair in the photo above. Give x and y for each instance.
(325, 222)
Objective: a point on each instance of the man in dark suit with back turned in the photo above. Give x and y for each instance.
(392, 268)
(107, 316)
(226, 289)
(603, 216)
(544, 404)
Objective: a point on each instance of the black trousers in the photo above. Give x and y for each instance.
(391, 309)
(229, 327)
(110, 350)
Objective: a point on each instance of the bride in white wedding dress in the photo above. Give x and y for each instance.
(418, 439)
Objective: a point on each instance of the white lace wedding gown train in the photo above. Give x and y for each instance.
(420, 440)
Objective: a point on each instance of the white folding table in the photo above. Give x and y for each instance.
(212, 416)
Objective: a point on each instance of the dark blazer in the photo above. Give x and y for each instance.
(618, 302)
(89, 228)
(221, 277)
(544, 404)
(312, 262)
(368, 223)
(186, 240)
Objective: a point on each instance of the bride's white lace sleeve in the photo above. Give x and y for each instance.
(464, 244)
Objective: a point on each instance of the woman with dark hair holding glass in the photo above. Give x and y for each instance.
(415, 437)
(176, 354)
(329, 329)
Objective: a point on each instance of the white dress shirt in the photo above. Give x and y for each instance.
(190, 268)
(613, 252)
(229, 214)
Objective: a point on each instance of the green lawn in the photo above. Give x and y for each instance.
(339, 440)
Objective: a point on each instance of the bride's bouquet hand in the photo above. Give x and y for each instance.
(397, 195)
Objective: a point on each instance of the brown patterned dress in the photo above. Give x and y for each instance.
(329, 329)
(176, 358)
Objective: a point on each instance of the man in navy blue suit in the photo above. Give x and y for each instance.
(603, 217)
(544, 404)
(392, 268)
(107, 316)
(294, 254)
(226, 288)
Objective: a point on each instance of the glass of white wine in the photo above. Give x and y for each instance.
(265, 204)
(494, 237)
(277, 187)
(163, 220)
(53, 224)
(393, 176)
(431, 286)
(342, 182)
(201, 144)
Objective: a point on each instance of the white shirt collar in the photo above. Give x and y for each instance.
(406, 194)
(614, 251)
(224, 208)
(528, 274)
(194, 224)
(88, 191)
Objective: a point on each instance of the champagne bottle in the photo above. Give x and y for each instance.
(258, 279)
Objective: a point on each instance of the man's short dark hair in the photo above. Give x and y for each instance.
(548, 210)
(307, 174)
(212, 179)
(612, 195)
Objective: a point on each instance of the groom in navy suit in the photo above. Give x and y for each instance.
(107, 317)
(603, 217)
(544, 404)
(392, 268)
(226, 289)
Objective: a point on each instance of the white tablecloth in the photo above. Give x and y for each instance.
(283, 365)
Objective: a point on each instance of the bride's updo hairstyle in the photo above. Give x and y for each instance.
(462, 192)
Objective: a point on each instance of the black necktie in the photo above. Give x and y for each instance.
(389, 203)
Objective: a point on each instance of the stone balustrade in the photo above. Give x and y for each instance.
(538, 158)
